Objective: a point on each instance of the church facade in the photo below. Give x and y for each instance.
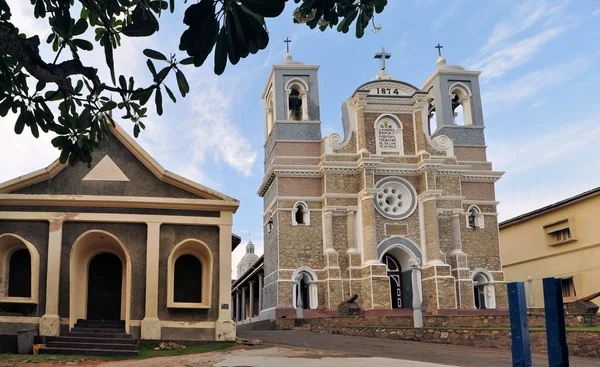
(125, 241)
(400, 211)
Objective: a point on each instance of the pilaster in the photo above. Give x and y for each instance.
(50, 321)
(225, 327)
(368, 230)
(150, 327)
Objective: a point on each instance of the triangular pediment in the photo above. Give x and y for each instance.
(106, 170)
(120, 168)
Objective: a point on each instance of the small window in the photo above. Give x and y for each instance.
(19, 278)
(475, 218)
(300, 215)
(460, 99)
(560, 232)
(562, 235)
(188, 280)
(568, 288)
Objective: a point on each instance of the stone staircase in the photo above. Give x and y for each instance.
(91, 337)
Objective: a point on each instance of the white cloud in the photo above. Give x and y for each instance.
(514, 41)
(446, 14)
(596, 12)
(530, 84)
(516, 54)
(558, 142)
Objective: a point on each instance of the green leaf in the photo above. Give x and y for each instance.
(151, 67)
(79, 27)
(266, 8)
(40, 85)
(64, 154)
(136, 131)
(33, 126)
(171, 95)
(122, 82)
(154, 54)
(162, 74)
(83, 44)
(141, 28)
(108, 53)
(110, 105)
(187, 61)
(158, 102)
(184, 87)
(20, 124)
(221, 52)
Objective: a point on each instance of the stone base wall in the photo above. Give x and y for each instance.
(325, 324)
(581, 343)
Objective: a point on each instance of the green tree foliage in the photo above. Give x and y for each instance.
(230, 29)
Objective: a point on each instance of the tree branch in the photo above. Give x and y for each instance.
(26, 51)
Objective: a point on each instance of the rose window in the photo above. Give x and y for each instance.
(395, 199)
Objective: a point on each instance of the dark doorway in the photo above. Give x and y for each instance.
(105, 276)
(19, 274)
(394, 271)
(188, 279)
(304, 293)
(479, 298)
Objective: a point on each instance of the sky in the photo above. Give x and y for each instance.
(540, 64)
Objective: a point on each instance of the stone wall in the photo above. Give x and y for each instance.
(581, 343)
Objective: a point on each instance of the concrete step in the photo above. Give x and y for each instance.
(88, 352)
(79, 345)
(97, 334)
(97, 330)
(83, 322)
(96, 340)
(100, 326)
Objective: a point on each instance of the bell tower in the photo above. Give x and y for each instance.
(455, 107)
(291, 98)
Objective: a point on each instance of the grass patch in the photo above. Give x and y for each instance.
(144, 352)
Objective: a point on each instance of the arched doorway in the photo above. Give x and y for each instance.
(400, 255)
(105, 280)
(484, 292)
(394, 272)
(304, 289)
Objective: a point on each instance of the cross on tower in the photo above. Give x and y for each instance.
(382, 56)
(287, 41)
(439, 47)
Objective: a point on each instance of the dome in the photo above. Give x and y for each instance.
(249, 258)
(288, 59)
(441, 65)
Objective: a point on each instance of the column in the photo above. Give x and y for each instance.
(238, 309)
(151, 328)
(233, 308)
(50, 322)
(456, 242)
(251, 301)
(328, 220)
(244, 302)
(417, 292)
(432, 237)
(225, 327)
(369, 230)
(260, 292)
(351, 229)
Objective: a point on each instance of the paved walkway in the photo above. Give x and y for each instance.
(397, 349)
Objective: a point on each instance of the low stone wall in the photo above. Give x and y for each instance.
(581, 343)
(324, 324)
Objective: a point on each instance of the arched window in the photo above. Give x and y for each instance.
(300, 215)
(19, 278)
(432, 117)
(295, 103)
(19, 270)
(460, 97)
(189, 275)
(188, 279)
(484, 291)
(474, 218)
(270, 114)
